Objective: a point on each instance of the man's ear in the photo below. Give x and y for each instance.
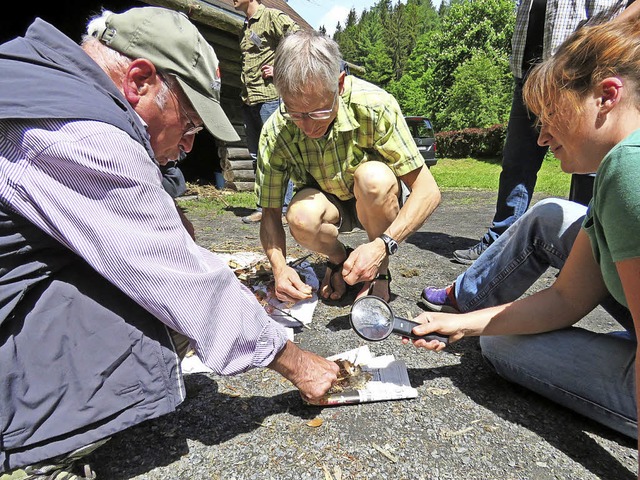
(610, 92)
(141, 76)
(341, 82)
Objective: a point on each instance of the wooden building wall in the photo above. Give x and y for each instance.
(219, 23)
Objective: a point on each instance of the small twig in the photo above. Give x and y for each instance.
(266, 425)
(384, 452)
(327, 472)
(285, 312)
(298, 262)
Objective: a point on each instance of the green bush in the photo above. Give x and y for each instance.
(472, 142)
(480, 95)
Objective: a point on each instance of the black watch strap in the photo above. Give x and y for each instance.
(390, 244)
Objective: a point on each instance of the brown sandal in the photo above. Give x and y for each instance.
(381, 276)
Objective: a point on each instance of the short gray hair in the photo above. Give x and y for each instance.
(304, 58)
(113, 63)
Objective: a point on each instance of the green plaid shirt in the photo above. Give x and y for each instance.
(259, 39)
(369, 126)
(562, 18)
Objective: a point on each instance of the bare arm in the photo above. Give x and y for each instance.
(289, 286)
(424, 198)
(578, 290)
(629, 272)
(364, 262)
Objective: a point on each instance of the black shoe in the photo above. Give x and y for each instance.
(467, 257)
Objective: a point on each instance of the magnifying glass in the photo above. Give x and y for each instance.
(372, 318)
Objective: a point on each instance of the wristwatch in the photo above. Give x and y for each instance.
(390, 244)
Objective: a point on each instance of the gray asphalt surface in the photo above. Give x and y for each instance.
(467, 423)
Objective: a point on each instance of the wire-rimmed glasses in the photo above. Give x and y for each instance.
(315, 115)
(192, 128)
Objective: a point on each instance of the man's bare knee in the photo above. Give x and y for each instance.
(304, 219)
(374, 181)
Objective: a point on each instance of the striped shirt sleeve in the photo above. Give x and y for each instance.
(92, 188)
(562, 18)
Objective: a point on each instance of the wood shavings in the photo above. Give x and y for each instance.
(438, 391)
(315, 423)
(337, 472)
(385, 452)
(459, 432)
(327, 472)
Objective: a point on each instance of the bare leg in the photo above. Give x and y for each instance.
(313, 223)
(376, 190)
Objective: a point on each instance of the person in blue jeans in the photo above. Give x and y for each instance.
(541, 26)
(586, 97)
(540, 239)
(254, 117)
(263, 30)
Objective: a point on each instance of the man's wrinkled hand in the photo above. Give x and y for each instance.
(289, 286)
(312, 374)
(315, 376)
(363, 264)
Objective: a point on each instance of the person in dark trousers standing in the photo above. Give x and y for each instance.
(541, 26)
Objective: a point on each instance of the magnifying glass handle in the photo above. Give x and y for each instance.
(404, 327)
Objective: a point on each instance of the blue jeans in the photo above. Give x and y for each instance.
(590, 373)
(521, 160)
(254, 117)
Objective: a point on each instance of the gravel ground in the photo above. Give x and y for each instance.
(467, 423)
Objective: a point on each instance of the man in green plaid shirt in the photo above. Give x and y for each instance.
(346, 146)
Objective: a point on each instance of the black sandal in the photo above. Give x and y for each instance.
(335, 268)
(381, 276)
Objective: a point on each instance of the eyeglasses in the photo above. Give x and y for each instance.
(192, 128)
(315, 115)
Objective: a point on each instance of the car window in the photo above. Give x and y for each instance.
(421, 128)
(424, 129)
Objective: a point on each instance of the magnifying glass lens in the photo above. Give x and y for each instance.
(371, 318)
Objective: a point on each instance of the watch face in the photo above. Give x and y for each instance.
(391, 244)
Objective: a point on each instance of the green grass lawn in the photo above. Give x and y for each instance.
(461, 173)
(450, 173)
(213, 202)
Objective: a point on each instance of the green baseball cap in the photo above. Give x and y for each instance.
(170, 41)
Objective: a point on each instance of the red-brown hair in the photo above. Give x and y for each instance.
(557, 86)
